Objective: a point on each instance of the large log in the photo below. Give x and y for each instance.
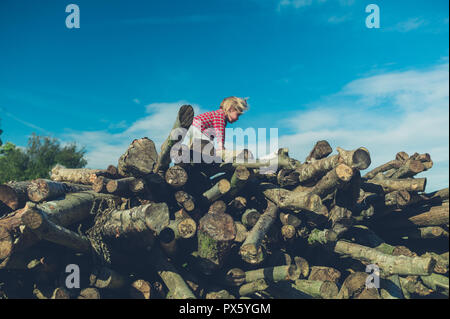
(217, 191)
(295, 201)
(270, 274)
(389, 265)
(43, 189)
(44, 228)
(238, 180)
(410, 168)
(251, 250)
(177, 286)
(215, 234)
(357, 159)
(317, 289)
(387, 185)
(84, 176)
(320, 150)
(139, 223)
(383, 168)
(334, 179)
(74, 208)
(14, 194)
(120, 187)
(418, 217)
(139, 159)
(182, 123)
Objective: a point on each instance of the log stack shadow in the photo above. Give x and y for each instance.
(151, 229)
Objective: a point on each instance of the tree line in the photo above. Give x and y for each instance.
(37, 158)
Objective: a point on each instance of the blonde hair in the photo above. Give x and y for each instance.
(239, 104)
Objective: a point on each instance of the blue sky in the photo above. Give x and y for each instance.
(311, 68)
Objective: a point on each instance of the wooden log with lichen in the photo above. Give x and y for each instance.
(216, 232)
(251, 250)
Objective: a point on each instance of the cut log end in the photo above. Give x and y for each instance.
(361, 158)
(187, 228)
(252, 254)
(219, 226)
(344, 172)
(9, 197)
(224, 186)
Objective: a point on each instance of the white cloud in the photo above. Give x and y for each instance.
(408, 25)
(338, 19)
(400, 111)
(297, 4)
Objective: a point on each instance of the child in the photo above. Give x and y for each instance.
(210, 125)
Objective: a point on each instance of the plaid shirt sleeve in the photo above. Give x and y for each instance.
(212, 122)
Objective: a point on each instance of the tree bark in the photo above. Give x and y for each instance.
(317, 289)
(77, 175)
(334, 179)
(409, 169)
(438, 283)
(389, 265)
(251, 251)
(177, 286)
(383, 168)
(238, 180)
(321, 149)
(44, 228)
(217, 191)
(421, 217)
(139, 159)
(322, 237)
(380, 184)
(43, 189)
(296, 201)
(139, 223)
(270, 274)
(252, 287)
(14, 194)
(74, 208)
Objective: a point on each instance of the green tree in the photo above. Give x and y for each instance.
(1, 143)
(36, 161)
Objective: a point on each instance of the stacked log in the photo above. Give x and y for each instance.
(150, 229)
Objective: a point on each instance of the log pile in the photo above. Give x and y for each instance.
(151, 229)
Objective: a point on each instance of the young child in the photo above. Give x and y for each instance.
(210, 125)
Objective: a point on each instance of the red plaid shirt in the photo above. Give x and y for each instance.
(212, 124)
